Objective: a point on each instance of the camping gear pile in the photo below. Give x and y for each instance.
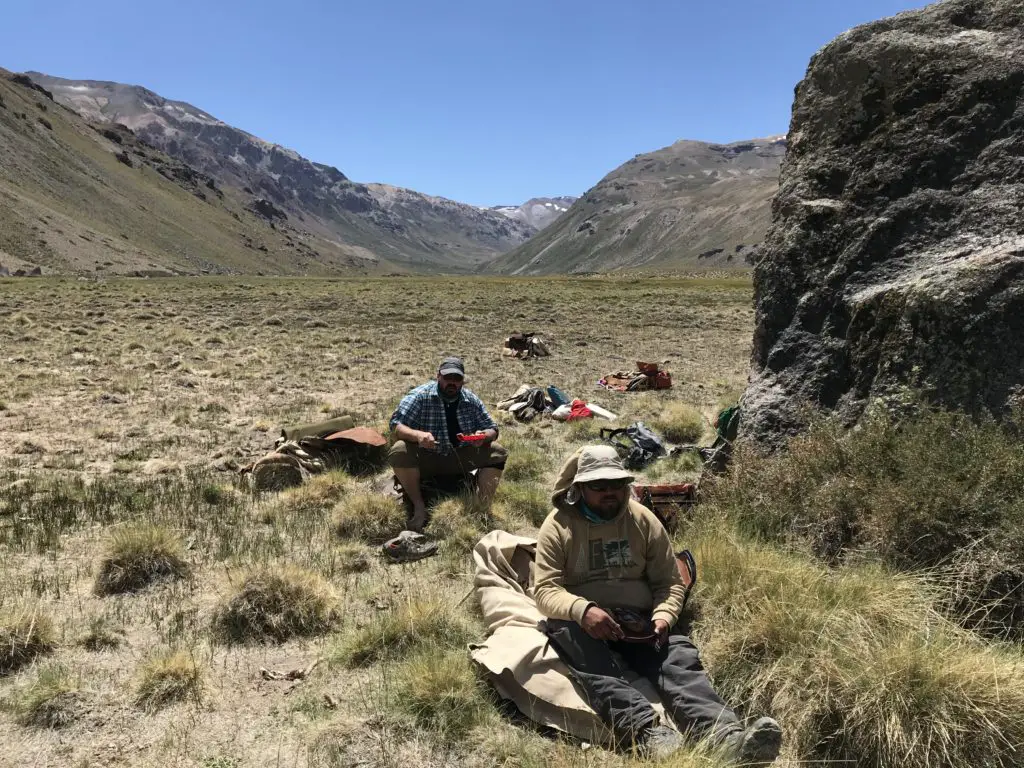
(647, 376)
(525, 346)
(644, 445)
(310, 449)
(528, 402)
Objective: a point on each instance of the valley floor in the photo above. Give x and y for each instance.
(129, 403)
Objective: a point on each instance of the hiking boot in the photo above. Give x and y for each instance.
(409, 546)
(758, 745)
(662, 742)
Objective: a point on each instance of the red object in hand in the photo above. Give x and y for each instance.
(476, 437)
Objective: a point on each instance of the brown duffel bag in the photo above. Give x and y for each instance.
(319, 429)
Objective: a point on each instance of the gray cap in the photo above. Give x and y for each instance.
(452, 365)
(599, 462)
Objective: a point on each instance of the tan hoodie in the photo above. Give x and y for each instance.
(626, 562)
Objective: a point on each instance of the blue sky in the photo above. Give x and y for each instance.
(484, 102)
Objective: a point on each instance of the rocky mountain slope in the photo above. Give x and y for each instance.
(401, 226)
(688, 205)
(896, 257)
(77, 197)
(538, 212)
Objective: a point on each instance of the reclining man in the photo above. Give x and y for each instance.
(428, 422)
(599, 552)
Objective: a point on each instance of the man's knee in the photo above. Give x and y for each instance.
(682, 653)
(403, 456)
(491, 456)
(579, 650)
(498, 456)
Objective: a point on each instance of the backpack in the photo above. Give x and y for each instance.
(727, 423)
(644, 445)
(519, 342)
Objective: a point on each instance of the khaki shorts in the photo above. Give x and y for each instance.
(431, 463)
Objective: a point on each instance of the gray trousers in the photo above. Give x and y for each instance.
(674, 669)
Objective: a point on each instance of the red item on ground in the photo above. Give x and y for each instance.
(474, 438)
(662, 380)
(578, 410)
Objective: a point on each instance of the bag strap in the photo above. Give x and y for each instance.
(687, 566)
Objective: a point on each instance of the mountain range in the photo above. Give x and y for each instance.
(692, 204)
(384, 223)
(109, 178)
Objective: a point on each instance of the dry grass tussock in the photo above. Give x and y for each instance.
(276, 603)
(101, 635)
(427, 623)
(442, 693)
(167, 678)
(318, 494)
(369, 517)
(25, 633)
(680, 423)
(137, 557)
(353, 557)
(857, 663)
(51, 700)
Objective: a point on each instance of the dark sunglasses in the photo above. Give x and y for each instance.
(608, 485)
(452, 377)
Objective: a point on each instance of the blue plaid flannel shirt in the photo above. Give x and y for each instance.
(423, 409)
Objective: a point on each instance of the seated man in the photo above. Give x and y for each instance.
(599, 552)
(428, 422)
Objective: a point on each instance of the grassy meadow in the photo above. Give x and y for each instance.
(154, 612)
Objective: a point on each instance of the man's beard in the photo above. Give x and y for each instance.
(609, 505)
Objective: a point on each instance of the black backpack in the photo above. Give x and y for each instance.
(644, 445)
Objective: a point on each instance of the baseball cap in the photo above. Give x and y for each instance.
(599, 462)
(452, 365)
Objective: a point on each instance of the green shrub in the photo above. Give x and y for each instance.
(855, 662)
(935, 491)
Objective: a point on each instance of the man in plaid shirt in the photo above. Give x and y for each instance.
(443, 429)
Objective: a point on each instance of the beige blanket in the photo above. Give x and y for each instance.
(516, 658)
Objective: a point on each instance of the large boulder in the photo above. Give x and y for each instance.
(896, 251)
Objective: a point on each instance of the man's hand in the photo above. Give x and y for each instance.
(599, 624)
(661, 629)
(426, 440)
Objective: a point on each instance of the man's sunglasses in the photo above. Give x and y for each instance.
(452, 377)
(608, 485)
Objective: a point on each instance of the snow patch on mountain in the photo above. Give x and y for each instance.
(537, 212)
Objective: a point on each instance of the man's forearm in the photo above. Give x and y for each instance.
(408, 434)
(556, 602)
